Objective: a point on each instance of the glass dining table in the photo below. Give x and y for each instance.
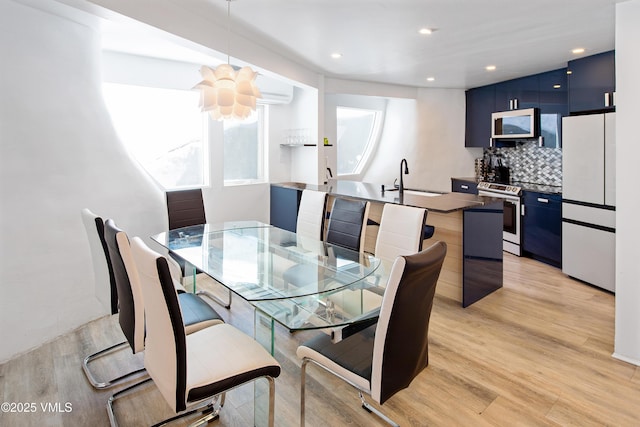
(298, 282)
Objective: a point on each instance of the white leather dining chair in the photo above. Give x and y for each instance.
(400, 232)
(311, 214)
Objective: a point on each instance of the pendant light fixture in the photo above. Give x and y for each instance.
(226, 93)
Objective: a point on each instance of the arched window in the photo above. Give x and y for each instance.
(164, 131)
(358, 131)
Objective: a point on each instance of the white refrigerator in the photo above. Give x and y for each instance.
(588, 198)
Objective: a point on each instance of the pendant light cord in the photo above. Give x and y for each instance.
(228, 31)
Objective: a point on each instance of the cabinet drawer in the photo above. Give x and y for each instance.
(459, 186)
(533, 198)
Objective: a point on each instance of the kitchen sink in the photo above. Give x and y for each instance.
(421, 193)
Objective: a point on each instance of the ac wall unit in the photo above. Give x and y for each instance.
(274, 91)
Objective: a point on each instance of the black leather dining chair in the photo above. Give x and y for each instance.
(347, 223)
(131, 313)
(191, 369)
(185, 208)
(346, 228)
(384, 358)
(94, 226)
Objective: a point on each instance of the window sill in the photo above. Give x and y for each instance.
(241, 183)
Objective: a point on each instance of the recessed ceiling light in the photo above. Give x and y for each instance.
(569, 72)
(557, 86)
(426, 31)
(578, 50)
(336, 55)
(490, 68)
(430, 79)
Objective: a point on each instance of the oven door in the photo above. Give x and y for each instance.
(511, 223)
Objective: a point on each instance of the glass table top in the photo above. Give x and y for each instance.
(263, 263)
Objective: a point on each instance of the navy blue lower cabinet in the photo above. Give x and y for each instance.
(542, 227)
(482, 251)
(284, 207)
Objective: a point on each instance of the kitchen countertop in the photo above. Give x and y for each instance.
(440, 202)
(526, 186)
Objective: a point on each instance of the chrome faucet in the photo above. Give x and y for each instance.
(406, 171)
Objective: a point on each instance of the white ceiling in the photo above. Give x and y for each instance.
(379, 40)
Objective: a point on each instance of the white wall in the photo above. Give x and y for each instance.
(428, 131)
(58, 154)
(304, 115)
(627, 330)
(440, 149)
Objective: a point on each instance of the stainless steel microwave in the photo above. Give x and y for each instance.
(514, 124)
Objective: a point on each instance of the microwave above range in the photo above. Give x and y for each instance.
(516, 124)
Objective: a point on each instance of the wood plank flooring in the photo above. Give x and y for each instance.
(535, 353)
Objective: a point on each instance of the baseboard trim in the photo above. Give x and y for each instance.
(626, 359)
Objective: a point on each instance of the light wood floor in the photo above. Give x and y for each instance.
(537, 352)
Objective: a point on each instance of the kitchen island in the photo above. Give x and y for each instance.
(471, 226)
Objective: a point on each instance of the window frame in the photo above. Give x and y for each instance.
(262, 111)
(375, 135)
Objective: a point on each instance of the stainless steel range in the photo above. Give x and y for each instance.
(511, 235)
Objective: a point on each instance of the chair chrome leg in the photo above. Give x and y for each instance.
(215, 298)
(211, 416)
(110, 383)
(201, 408)
(123, 392)
(209, 411)
(367, 407)
(303, 370)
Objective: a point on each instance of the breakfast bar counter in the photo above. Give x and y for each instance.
(432, 200)
(471, 225)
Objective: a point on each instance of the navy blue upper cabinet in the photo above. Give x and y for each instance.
(553, 104)
(480, 105)
(552, 92)
(517, 94)
(592, 83)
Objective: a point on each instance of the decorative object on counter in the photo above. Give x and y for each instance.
(481, 171)
(501, 172)
(227, 93)
(293, 137)
(530, 163)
